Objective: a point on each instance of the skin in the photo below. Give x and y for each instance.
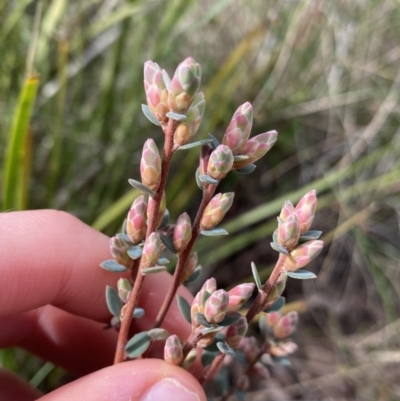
(52, 303)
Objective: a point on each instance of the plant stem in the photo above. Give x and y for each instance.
(259, 303)
(151, 227)
(183, 257)
(210, 370)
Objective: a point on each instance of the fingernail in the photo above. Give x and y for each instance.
(169, 389)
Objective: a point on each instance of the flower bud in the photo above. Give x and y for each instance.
(124, 289)
(184, 85)
(210, 285)
(238, 131)
(216, 306)
(182, 233)
(285, 326)
(215, 211)
(287, 210)
(190, 267)
(151, 250)
(289, 232)
(136, 220)
(283, 349)
(173, 352)
(220, 163)
(305, 210)
(239, 295)
(236, 332)
(256, 147)
(303, 255)
(161, 210)
(119, 249)
(150, 165)
(272, 318)
(156, 92)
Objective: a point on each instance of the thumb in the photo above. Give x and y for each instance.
(140, 380)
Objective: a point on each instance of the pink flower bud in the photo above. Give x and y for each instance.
(303, 255)
(238, 131)
(272, 318)
(173, 352)
(151, 250)
(190, 267)
(239, 295)
(124, 289)
(150, 165)
(215, 211)
(285, 325)
(210, 285)
(289, 232)
(182, 233)
(220, 163)
(287, 210)
(236, 332)
(136, 220)
(216, 306)
(305, 210)
(119, 248)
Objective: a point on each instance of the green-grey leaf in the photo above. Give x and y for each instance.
(158, 334)
(198, 182)
(207, 179)
(194, 144)
(168, 243)
(275, 236)
(302, 274)
(277, 305)
(124, 227)
(207, 357)
(166, 78)
(138, 344)
(310, 235)
(247, 169)
(215, 142)
(211, 329)
(225, 348)
(281, 360)
(202, 320)
(256, 276)
(165, 220)
(153, 270)
(176, 116)
(137, 313)
(162, 261)
(150, 116)
(230, 318)
(112, 266)
(138, 185)
(135, 252)
(184, 308)
(124, 237)
(204, 298)
(278, 248)
(214, 232)
(194, 276)
(213, 346)
(113, 300)
(239, 158)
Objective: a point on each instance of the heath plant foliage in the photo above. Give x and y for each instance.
(218, 318)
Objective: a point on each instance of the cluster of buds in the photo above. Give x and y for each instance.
(215, 210)
(237, 138)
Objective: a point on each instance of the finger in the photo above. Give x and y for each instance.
(142, 380)
(13, 388)
(50, 257)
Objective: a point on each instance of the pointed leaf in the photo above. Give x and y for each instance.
(166, 78)
(124, 227)
(112, 266)
(124, 237)
(225, 349)
(165, 220)
(113, 300)
(138, 344)
(184, 308)
(277, 305)
(214, 232)
(239, 158)
(135, 252)
(198, 182)
(202, 320)
(168, 243)
(215, 142)
(230, 318)
(207, 179)
(213, 346)
(153, 270)
(194, 276)
(138, 185)
(176, 116)
(278, 248)
(207, 358)
(257, 279)
(194, 144)
(162, 261)
(310, 235)
(137, 313)
(247, 169)
(302, 274)
(150, 116)
(211, 329)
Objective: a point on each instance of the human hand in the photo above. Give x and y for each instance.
(52, 303)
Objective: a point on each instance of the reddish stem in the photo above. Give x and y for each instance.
(210, 370)
(151, 227)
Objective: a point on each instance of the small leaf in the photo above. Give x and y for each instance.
(158, 334)
(310, 235)
(162, 261)
(166, 78)
(124, 227)
(207, 179)
(138, 185)
(112, 266)
(256, 276)
(198, 182)
(212, 329)
(275, 236)
(277, 305)
(176, 116)
(278, 248)
(247, 169)
(168, 243)
(214, 232)
(113, 300)
(184, 308)
(137, 313)
(213, 346)
(137, 344)
(240, 158)
(124, 237)
(194, 144)
(153, 270)
(225, 349)
(204, 298)
(165, 220)
(150, 116)
(135, 252)
(194, 276)
(215, 142)
(281, 360)
(207, 357)
(230, 318)
(202, 320)
(302, 274)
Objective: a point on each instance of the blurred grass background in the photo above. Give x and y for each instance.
(325, 74)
